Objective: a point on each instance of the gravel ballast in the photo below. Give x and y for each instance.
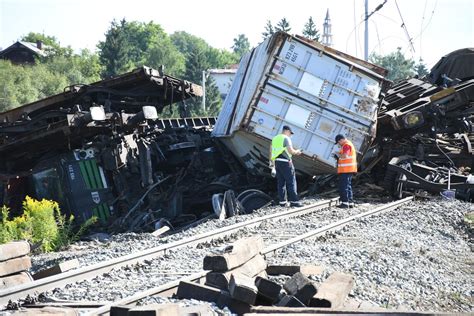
(417, 257)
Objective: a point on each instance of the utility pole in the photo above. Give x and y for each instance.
(204, 90)
(366, 33)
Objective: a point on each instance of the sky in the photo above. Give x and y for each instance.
(436, 27)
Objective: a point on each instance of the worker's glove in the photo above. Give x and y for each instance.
(274, 172)
(335, 156)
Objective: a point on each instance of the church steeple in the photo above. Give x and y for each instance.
(327, 35)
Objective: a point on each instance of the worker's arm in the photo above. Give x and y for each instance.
(346, 151)
(293, 151)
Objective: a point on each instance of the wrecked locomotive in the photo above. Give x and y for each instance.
(101, 150)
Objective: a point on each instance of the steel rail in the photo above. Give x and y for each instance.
(89, 272)
(172, 286)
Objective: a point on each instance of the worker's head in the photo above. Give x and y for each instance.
(287, 130)
(340, 139)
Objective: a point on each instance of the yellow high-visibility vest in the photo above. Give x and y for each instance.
(277, 146)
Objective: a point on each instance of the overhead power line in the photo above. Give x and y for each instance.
(380, 6)
(405, 28)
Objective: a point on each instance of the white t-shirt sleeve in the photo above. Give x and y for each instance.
(287, 142)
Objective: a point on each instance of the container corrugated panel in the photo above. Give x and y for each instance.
(286, 81)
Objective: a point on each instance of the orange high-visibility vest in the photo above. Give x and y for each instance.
(349, 164)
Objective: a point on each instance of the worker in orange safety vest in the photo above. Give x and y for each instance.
(346, 167)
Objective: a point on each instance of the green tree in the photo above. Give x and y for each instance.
(398, 66)
(213, 98)
(114, 51)
(241, 45)
(310, 31)
(283, 25)
(420, 69)
(129, 45)
(51, 44)
(269, 30)
(21, 84)
(200, 57)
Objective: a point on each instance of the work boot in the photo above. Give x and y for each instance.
(283, 204)
(296, 204)
(351, 204)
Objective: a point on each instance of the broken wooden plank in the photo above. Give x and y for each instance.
(15, 279)
(234, 255)
(14, 249)
(243, 288)
(306, 269)
(300, 287)
(251, 268)
(14, 265)
(333, 291)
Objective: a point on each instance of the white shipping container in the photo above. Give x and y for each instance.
(318, 91)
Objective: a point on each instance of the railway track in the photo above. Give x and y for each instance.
(89, 272)
(169, 288)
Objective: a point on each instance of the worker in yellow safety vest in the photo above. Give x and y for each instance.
(281, 152)
(346, 167)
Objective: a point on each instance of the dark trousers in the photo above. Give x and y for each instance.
(286, 178)
(345, 187)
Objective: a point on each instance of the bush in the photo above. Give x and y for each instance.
(41, 223)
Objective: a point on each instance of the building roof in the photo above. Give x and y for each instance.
(28, 45)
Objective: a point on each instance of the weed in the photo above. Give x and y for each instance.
(41, 223)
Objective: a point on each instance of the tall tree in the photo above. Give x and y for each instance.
(200, 57)
(283, 26)
(133, 44)
(420, 69)
(269, 30)
(114, 51)
(241, 45)
(310, 31)
(397, 65)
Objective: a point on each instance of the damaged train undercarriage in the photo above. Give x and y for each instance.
(104, 150)
(100, 150)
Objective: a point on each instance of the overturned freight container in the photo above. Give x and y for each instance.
(318, 91)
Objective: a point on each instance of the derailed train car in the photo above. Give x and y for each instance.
(101, 150)
(416, 135)
(316, 90)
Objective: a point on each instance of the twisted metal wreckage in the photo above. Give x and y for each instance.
(101, 149)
